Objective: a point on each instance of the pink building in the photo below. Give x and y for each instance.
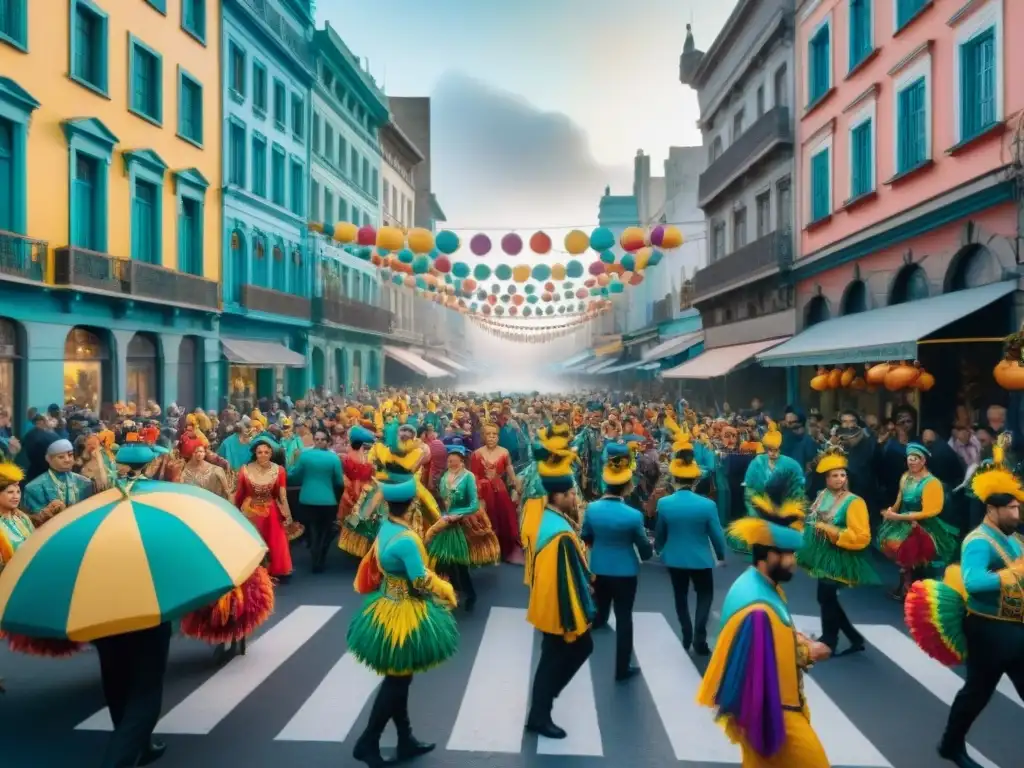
(909, 149)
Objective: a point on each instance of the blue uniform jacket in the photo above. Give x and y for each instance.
(319, 477)
(615, 533)
(686, 524)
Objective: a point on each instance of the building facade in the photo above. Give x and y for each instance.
(909, 155)
(412, 115)
(267, 67)
(349, 112)
(744, 85)
(109, 171)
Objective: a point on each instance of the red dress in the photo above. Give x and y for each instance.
(357, 475)
(259, 503)
(497, 501)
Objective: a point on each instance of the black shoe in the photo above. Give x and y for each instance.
(547, 729)
(152, 753)
(469, 604)
(368, 753)
(702, 649)
(857, 647)
(317, 569)
(632, 671)
(958, 757)
(413, 747)
(600, 625)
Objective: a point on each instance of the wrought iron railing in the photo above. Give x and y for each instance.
(283, 31)
(82, 268)
(772, 128)
(22, 257)
(346, 311)
(276, 302)
(150, 281)
(774, 250)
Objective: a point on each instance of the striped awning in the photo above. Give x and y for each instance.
(414, 362)
(260, 354)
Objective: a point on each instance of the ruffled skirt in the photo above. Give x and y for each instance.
(402, 635)
(469, 540)
(914, 546)
(236, 615)
(824, 560)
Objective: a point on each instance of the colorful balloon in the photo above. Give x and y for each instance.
(447, 242)
(503, 272)
(460, 269)
(390, 239)
(366, 235)
(405, 255)
(574, 269)
(442, 264)
(597, 268)
(482, 271)
(480, 245)
(601, 239)
(628, 262)
(421, 265)
(512, 244)
(420, 240)
(655, 259)
(577, 242)
(616, 287)
(345, 232)
(632, 239)
(541, 272)
(558, 271)
(540, 243)
(608, 257)
(670, 238)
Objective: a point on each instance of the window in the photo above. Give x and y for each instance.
(315, 136)
(784, 203)
(760, 100)
(14, 23)
(193, 18)
(277, 176)
(819, 64)
(280, 104)
(259, 165)
(374, 184)
(353, 167)
(716, 149)
(906, 10)
(737, 126)
(298, 117)
(717, 240)
(314, 204)
(342, 209)
(739, 228)
(145, 222)
(88, 226)
(342, 154)
(408, 213)
(764, 213)
(259, 88)
(144, 81)
(9, 188)
(860, 31)
(911, 126)
(89, 46)
(236, 154)
(364, 180)
(237, 72)
(190, 108)
(387, 197)
(328, 203)
(394, 203)
(862, 159)
(190, 237)
(821, 186)
(781, 87)
(298, 206)
(329, 142)
(978, 84)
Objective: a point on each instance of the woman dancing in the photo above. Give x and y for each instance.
(492, 466)
(261, 498)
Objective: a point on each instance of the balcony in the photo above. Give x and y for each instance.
(762, 258)
(94, 271)
(355, 314)
(288, 37)
(773, 129)
(275, 302)
(22, 259)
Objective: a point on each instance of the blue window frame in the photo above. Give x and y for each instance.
(819, 64)
(298, 187)
(342, 209)
(89, 46)
(190, 189)
(314, 204)
(90, 149)
(328, 204)
(259, 164)
(259, 88)
(906, 10)
(374, 184)
(193, 18)
(911, 126)
(978, 106)
(16, 108)
(298, 279)
(298, 117)
(821, 186)
(861, 160)
(861, 38)
(145, 170)
(145, 81)
(236, 71)
(280, 104)
(236, 152)
(277, 171)
(8, 188)
(259, 273)
(279, 265)
(160, 5)
(190, 108)
(14, 23)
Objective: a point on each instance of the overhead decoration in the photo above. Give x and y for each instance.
(366, 236)
(391, 239)
(540, 243)
(1009, 373)
(480, 245)
(512, 244)
(481, 272)
(666, 236)
(447, 242)
(632, 239)
(602, 239)
(521, 273)
(577, 242)
(420, 240)
(344, 232)
(894, 377)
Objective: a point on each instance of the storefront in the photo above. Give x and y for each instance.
(9, 368)
(257, 369)
(87, 369)
(142, 371)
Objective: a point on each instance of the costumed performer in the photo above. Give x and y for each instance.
(492, 466)
(561, 606)
(463, 537)
(589, 445)
(58, 488)
(360, 506)
(911, 533)
(754, 677)
(198, 471)
(762, 468)
(975, 615)
(261, 496)
(404, 459)
(405, 626)
(15, 525)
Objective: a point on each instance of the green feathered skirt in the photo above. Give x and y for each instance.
(468, 540)
(402, 635)
(357, 540)
(911, 546)
(824, 560)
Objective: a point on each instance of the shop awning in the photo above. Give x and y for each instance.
(575, 360)
(622, 367)
(447, 362)
(611, 348)
(890, 333)
(712, 363)
(649, 367)
(260, 354)
(599, 367)
(414, 362)
(672, 347)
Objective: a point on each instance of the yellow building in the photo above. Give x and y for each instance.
(110, 171)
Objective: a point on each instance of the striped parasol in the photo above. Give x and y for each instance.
(127, 559)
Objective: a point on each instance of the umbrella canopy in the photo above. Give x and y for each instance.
(125, 560)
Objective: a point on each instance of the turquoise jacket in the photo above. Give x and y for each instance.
(687, 530)
(985, 551)
(752, 587)
(319, 477)
(615, 533)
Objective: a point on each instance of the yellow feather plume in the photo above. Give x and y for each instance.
(752, 531)
(772, 438)
(10, 473)
(992, 480)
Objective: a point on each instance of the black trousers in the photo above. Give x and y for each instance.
(559, 662)
(833, 618)
(132, 670)
(704, 585)
(298, 511)
(618, 592)
(994, 648)
(458, 576)
(321, 531)
(391, 703)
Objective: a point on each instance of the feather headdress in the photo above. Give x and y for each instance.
(772, 438)
(994, 477)
(779, 521)
(832, 457)
(683, 465)
(10, 473)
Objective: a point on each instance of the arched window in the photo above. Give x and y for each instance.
(973, 266)
(142, 379)
(911, 284)
(855, 298)
(86, 365)
(817, 311)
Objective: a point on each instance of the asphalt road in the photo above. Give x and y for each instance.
(297, 699)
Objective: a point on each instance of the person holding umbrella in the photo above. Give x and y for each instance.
(108, 571)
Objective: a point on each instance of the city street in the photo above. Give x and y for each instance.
(297, 698)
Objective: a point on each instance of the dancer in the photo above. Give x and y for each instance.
(15, 525)
(492, 466)
(561, 606)
(404, 459)
(359, 506)
(754, 677)
(198, 471)
(615, 533)
(261, 498)
(405, 626)
(762, 468)
(686, 524)
(911, 533)
(836, 538)
(463, 537)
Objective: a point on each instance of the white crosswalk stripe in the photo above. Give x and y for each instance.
(496, 695)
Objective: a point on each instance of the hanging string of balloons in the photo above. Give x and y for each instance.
(529, 335)
(516, 324)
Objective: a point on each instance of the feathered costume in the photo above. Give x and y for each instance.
(754, 678)
(361, 502)
(236, 615)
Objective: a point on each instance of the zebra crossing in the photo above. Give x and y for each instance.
(493, 698)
